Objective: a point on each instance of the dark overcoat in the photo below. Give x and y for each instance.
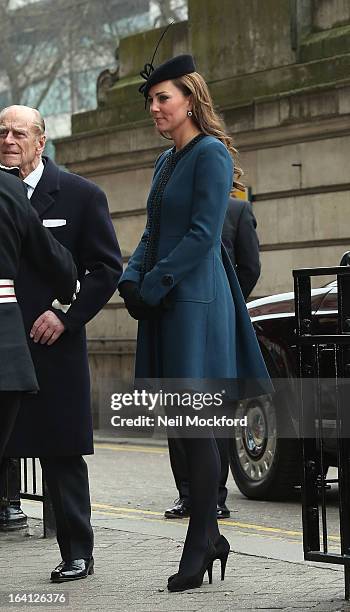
(59, 422)
(22, 234)
(205, 332)
(242, 244)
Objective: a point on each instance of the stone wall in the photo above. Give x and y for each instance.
(330, 13)
(279, 71)
(233, 38)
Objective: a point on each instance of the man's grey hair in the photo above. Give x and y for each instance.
(38, 121)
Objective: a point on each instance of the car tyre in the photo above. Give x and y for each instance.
(264, 464)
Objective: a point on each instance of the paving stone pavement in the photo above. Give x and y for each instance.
(131, 572)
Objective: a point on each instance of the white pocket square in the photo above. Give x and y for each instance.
(54, 222)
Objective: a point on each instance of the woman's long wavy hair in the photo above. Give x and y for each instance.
(205, 116)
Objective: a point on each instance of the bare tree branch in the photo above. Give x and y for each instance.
(50, 79)
(43, 40)
(48, 40)
(169, 11)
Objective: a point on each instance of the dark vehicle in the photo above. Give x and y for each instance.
(265, 456)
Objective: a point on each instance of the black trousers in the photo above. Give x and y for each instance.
(9, 407)
(180, 470)
(68, 484)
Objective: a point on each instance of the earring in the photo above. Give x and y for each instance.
(189, 113)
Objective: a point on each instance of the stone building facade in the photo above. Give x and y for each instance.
(279, 71)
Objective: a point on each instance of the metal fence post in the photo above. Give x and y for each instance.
(311, 346)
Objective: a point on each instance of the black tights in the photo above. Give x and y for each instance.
(203, 462)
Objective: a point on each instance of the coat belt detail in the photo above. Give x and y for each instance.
(7, 291)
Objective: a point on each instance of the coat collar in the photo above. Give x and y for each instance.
(49, 184)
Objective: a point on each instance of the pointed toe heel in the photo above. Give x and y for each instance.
(180, 582)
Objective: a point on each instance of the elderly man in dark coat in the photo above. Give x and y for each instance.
(59, 428)
(22, 234)
(242, 245)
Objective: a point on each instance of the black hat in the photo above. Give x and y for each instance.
(171, 69)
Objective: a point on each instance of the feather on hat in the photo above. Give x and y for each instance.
(171, 69)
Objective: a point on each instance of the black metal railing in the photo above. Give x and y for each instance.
(22, 479)
(37, 492)
(313, 346)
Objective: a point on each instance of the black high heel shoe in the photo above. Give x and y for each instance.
(222, 547)
(181, 582)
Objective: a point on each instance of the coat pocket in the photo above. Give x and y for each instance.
(199, 285)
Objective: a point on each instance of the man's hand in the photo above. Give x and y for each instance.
(47, 328)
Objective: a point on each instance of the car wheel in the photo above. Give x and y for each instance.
(263, 465)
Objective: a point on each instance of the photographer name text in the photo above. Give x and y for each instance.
(178, 421)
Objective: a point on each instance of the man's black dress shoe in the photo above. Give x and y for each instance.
(73, 570)
(179, 510)
(222, 511)
(12, 517)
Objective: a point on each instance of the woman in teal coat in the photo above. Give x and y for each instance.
(193, 322)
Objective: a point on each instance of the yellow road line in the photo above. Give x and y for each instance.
(261, 528)
(149, 515)
(132, 448)
(117, 515)
(121, 509)
(161, 451)
(159, 520)
(129, 512)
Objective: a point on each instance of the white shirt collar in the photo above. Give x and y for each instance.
(34, 177)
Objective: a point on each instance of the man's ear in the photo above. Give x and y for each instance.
(41, 143)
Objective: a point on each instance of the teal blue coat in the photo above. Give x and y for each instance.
(205, 331)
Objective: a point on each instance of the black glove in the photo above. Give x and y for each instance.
(136, 306)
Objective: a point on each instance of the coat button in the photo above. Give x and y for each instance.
(167, 280)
